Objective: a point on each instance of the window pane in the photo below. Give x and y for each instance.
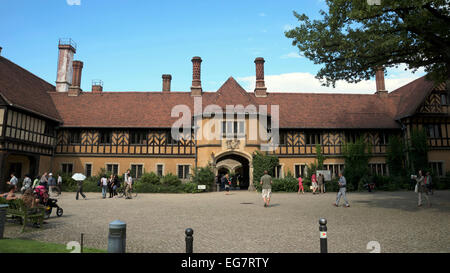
(160, 170)
(180, 171)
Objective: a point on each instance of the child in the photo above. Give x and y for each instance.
(300, 185)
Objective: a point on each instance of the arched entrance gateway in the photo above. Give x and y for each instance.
(235, 163)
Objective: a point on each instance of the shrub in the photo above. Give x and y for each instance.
(150, 178)
(287, 184)
(203, 176)
(170, 180)
(332, 185)
(191, 187)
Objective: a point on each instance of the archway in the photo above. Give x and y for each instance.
(236, 164)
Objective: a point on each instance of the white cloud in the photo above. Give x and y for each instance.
(287, 27)
(73, 2)
(307, 83)
(262, 14)
(291, 55)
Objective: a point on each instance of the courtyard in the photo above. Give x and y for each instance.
(239, 223)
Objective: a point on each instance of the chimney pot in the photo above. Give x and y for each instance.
(97, 86)
(67, 49)
(260, 87)
(196, 88)
(379, 80)
(75, 88)
(167, 78)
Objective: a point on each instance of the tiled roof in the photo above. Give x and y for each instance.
(411, 96)
(22, 89)
(153, 109)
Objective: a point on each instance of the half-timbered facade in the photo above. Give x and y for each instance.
(62, 128)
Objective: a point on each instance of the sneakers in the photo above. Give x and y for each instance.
(347, 206)
(334, 204)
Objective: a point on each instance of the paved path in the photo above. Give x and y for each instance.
(239, 222)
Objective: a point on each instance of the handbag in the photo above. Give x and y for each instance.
(416, 190)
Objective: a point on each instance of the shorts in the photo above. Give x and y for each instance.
(266, 193)
(314, 184)
(227, 187)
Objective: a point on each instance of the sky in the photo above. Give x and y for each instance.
(129, 44)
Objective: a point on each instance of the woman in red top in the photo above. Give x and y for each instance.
(314, 183)
(300, 185)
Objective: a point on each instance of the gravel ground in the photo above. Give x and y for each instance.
(239, 223)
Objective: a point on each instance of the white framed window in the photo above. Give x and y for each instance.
(113, 168)
(278, 171)
(67, 168)
(136, 170)
(378, 168)
(233, 128)
(334, 169)
(183, 171)
(437, 167)
(160, 169)
(300, 170)
(88, 169)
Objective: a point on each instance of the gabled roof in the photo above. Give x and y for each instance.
(22, 89)
(411, 96)
(231, 93)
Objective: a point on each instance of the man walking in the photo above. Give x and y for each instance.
(14, 181)
(342, 189)
(44, 181)
(226, 182)
(104, 185)
(266, 182)
(129, 186)
(51, 183)
(422, 190)
(59, 184)
(80, 190)
(320, 181)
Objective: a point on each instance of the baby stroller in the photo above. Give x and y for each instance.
(49, 203)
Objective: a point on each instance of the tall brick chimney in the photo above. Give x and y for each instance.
(67, 48)
(167, 78)
(97, 86)
(75, 88)
(379, 79)
(196, 88)
(260, 88)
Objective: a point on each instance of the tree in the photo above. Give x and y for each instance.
(395, 155)
(263, 162)
(418, 149)
(357, 157)
(354, 39)
(320, 157)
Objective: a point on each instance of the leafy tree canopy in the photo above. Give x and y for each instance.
(354, 38)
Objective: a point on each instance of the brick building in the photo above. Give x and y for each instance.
(45, 127)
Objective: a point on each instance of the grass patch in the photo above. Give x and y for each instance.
(31, 246)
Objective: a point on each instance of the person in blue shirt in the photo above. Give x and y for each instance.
(342, 189)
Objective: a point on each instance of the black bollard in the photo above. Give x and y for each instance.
(82, 239)
(323, 235)
(189, 240)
